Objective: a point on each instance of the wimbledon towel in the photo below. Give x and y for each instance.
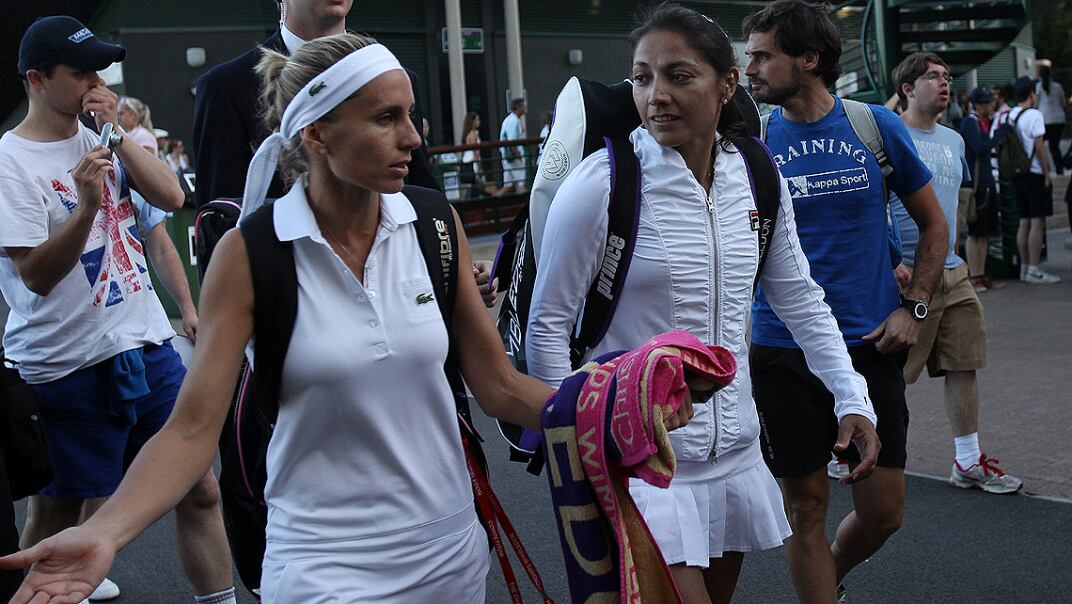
(603, 426)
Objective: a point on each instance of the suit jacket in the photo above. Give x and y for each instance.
(228, 128)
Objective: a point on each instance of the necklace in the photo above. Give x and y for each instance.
(345, 249)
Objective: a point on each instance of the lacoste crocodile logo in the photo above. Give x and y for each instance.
(317, 88)
(424, 298)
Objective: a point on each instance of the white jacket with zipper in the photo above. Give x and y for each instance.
(692, 269)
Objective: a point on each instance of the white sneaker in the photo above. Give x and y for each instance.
(107, 590)
(985, 475)
(1023, 272)
(1041, 277)
(838, 468)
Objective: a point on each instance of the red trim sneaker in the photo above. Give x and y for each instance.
(985, 475)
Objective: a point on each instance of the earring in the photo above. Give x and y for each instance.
(323, 150)
(725, 100)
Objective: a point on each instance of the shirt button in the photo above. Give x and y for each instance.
(360, 298)
(373, 323)
(371, 295)
(381, 348)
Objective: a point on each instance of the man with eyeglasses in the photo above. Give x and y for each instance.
(841, 217)
(952, 339)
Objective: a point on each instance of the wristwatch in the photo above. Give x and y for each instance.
(917, 308)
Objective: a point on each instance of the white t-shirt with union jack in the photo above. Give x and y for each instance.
(106, 304)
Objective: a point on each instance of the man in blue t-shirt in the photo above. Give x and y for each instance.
(842, 221)
(952, 341)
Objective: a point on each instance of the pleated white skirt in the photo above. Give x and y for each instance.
(733, 505)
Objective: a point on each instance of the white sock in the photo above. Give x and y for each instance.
(968, 452)
(1034, 268)
(226, 596)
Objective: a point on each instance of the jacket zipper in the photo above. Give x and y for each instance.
(713, 248)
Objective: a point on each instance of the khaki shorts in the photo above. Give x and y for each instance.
(953, 338)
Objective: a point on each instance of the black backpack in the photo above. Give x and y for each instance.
(1013, 160)
(244, 441)
(590, 116)
(213, 220)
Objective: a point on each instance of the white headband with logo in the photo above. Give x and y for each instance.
(322, 94)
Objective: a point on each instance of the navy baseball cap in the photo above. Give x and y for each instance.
(981, 94)
(65, 40)
(1023, 87)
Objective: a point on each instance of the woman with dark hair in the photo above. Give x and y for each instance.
(693, 267)
(472, 168)
(1052, 102)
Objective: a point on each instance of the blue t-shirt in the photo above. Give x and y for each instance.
(841, 215)
(942, 151)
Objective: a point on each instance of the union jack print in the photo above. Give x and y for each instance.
(114, 258)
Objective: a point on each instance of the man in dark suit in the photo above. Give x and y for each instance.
(227, 124)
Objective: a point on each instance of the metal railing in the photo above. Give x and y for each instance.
(486, 191)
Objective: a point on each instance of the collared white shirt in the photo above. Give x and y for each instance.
(290, 40)
(366, 442)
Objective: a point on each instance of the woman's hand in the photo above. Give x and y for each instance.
(66, 568)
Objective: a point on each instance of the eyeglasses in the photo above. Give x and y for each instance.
(934, 76)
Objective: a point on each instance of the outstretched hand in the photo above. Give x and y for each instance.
(858, 430)
(64, 569)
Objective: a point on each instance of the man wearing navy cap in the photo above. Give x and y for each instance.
(86, 328)
(977, 129)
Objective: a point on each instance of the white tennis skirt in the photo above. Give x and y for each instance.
(733, 505)
(399, 568)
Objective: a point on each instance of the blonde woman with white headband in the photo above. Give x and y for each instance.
(368, 494)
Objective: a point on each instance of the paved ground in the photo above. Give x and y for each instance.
(956, 546)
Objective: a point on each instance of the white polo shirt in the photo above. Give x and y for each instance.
(366, 443)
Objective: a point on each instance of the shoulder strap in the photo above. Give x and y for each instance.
(763, 121)
(862, 121)
(766, 186)
(275, 308)
(623, 214)
(438, 239)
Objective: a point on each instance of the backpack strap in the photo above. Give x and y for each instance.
(766, 183)
(623, 215)
(862, 121)
(763, 121)
(438, 240)
(275, 308)
(1012, 127)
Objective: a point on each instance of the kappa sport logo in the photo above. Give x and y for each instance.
(424, 299)
(317, 88)
(555, 162)
(81, 35)
(828, 183)
(753, 219)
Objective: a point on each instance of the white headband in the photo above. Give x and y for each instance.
(322, 94)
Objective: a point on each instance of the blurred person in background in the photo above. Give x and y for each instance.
(176, 155)
(135, 118)
(1053, 102)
